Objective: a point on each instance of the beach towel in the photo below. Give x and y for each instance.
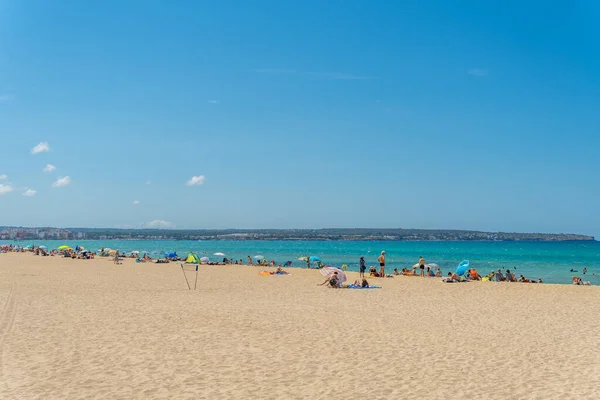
(360, 287)
(267, 273)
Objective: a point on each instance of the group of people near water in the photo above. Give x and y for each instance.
(424, 270)
(421, 268)
(473, 275)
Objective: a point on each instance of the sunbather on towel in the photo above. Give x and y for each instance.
(452, 277)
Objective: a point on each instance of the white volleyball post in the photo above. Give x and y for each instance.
(186, 280)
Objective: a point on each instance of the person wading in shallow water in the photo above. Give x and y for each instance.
(381, 260)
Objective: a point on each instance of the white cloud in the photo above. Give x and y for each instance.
(29, 193)
(49, 168)
(62, 181)
(5, 189)
(3, 176)
(40, 148)
(159, 224)
(196, 180)
(477, 72)
(136, 202)
(213, 101)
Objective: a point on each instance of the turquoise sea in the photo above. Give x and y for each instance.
(551, 261)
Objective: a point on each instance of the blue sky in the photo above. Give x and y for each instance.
(423, 114)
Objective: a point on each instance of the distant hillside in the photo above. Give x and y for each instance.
(350, 234)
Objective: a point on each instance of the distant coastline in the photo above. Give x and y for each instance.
(331, 234)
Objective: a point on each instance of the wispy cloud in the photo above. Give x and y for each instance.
(478, 72)
(29, 193)
(5, 97)
(213, 102)
(3, 176)
(49, 168)
(338, 75)
(136, 202)
(196, 180)
(5, 189)
(159, 224)
(148, 182)
(40, 148)
(62, 181)
(324, 75)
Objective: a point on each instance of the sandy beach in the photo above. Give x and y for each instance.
(91, 329)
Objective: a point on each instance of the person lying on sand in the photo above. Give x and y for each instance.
(279, 271)
(361, 283)
(333, 281)
(452, 277)
(396, 271)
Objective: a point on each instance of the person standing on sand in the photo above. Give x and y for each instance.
(249, 260)
(381, 260)
(422, 266)
(307, 262)
(363, 267)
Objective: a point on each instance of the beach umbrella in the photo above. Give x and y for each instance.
(112, 252)
(315, 258)
(462, 268)
(219, 254)
(303, 259)
(137, 253)
(259, 257)
(43, 247)
(204, 259)
(329, 271)
(432, 265)
(64, 247)
(416, 265)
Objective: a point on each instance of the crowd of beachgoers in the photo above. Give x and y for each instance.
(335, 276)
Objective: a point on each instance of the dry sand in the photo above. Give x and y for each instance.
(90, 329)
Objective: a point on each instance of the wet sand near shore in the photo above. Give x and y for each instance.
(92, 329)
